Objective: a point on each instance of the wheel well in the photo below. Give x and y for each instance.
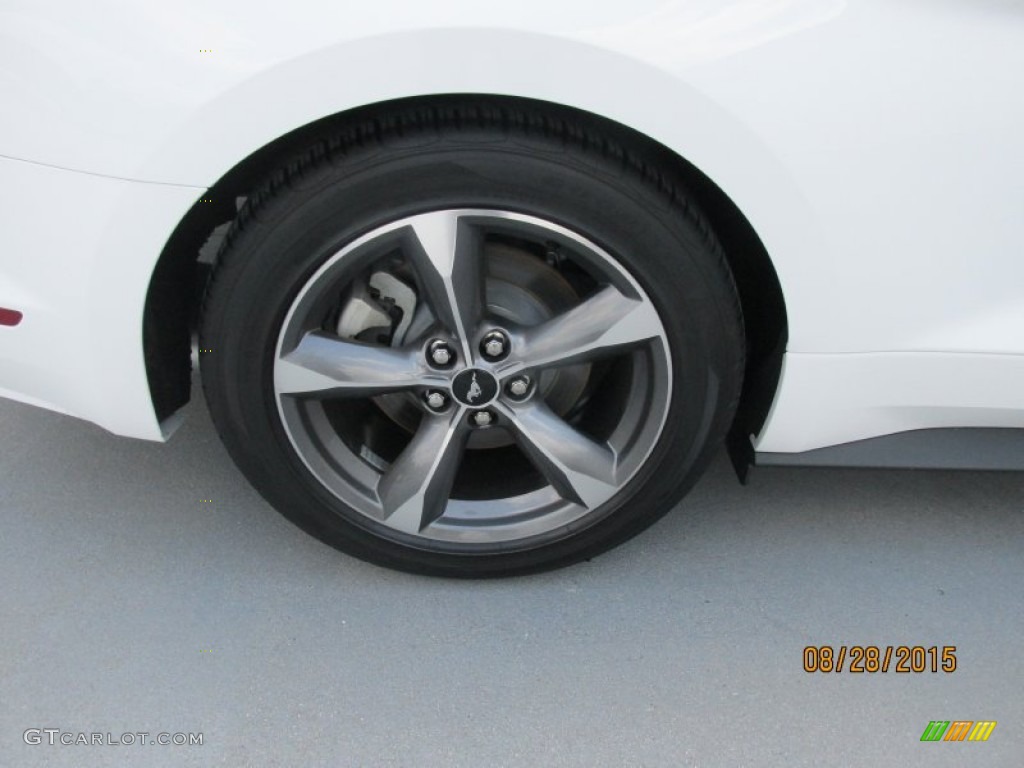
(173, 300)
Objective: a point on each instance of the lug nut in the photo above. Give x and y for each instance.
(519, 386)
(436, 401)
(482, 418)
(494, 346)
(440, 354)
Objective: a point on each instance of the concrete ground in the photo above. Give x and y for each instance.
(129, 604)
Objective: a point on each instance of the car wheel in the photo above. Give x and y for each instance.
(471, 342)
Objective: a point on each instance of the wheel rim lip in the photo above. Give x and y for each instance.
(466, 529)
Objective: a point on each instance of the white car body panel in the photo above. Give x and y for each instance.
(874, 146)
(846, 397)
(74, 248)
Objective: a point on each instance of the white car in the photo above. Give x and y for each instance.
(479, 290)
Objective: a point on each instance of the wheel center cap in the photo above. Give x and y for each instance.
(474, 387)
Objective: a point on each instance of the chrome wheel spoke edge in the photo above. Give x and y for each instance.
(414, 491)
(580, 469)
(601, 325)
(447, 254)
(326, 365)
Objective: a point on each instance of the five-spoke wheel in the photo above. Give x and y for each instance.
(467, 361)
(470, 347)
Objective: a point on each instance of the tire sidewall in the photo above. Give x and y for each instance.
(670, 255)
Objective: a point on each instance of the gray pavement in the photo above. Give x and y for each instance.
(129, 604)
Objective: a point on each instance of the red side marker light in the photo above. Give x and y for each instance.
(9, 316)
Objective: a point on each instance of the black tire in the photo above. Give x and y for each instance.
(471, 156)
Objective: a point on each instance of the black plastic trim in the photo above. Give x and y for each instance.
(990, 448)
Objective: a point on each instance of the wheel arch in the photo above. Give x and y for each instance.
(174, 294)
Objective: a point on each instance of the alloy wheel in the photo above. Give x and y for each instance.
(472, 379)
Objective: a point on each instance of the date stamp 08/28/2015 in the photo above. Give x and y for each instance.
(903, 659)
